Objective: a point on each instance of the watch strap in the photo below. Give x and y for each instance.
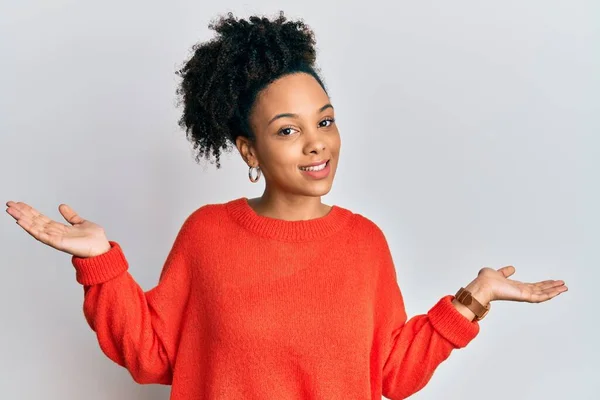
(466, 298)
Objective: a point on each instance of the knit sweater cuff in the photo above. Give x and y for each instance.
(451, 324)
(100, 268)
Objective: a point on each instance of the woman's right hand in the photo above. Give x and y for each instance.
(82, 239)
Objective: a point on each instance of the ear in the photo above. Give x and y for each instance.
(246, 148)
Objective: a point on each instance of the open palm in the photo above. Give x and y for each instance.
(499, 287)
(82, 238)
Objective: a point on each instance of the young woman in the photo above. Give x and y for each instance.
(280, 296)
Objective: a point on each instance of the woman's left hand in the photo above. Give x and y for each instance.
(495, 285)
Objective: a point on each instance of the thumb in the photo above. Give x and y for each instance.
(69, 214)
(507, 271)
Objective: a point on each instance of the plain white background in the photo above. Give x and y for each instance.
(469, 135)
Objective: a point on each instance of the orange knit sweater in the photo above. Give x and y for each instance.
(252, 307)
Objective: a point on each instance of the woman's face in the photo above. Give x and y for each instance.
(293, 122)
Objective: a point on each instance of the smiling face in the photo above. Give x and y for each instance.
(294, 125)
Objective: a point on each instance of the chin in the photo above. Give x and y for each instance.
(308, 187)
(316, 189)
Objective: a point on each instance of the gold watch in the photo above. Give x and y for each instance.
(465, 298)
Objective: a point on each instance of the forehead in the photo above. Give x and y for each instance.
(298, 93)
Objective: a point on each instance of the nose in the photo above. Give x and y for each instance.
(315, 142)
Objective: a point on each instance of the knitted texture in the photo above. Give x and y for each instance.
(252, 307)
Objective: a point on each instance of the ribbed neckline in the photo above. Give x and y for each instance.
(316, 228)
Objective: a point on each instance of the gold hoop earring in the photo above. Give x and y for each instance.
(258, 174)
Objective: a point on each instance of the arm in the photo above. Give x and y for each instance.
(138, 330)
(414, 348)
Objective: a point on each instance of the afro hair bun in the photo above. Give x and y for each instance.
(223, 76)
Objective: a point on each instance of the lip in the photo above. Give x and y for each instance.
(317, 175)
(314, 164)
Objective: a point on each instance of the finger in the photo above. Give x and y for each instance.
(547, 294)
(39, 230)
(548, 287)
(30, 217)
(507, 271)
(22, 209)
(35, 223)
(548, 284)
(69, 214)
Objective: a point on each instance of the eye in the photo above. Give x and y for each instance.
(284, 129)
(328, 119)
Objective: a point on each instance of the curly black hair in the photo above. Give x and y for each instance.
(222, 78)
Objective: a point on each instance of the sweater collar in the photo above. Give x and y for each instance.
(290, 231)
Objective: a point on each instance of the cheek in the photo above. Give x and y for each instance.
(281, 160)
(336, 143)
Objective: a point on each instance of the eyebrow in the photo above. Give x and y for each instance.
(292, 115)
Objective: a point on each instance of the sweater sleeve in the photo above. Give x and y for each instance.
(136, 329)
(414, 348)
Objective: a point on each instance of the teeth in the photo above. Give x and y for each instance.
(315, 168)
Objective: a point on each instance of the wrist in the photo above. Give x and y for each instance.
(104, 248)
(480, 291)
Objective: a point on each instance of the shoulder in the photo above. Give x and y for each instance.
(370, 239)
(367, 225)
(206, 213)
(368, 229)
(201, 224)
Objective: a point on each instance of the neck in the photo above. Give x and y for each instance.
(289, 207)
(321, 228)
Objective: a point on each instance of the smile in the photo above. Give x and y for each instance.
(319, 167)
